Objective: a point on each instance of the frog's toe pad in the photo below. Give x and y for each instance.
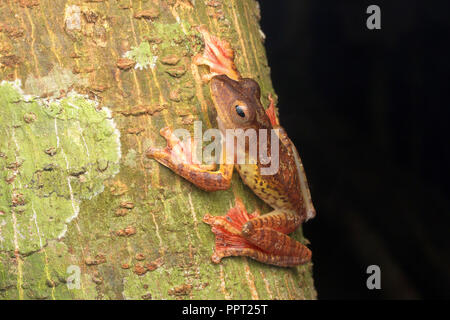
(176, 151)
(229, 239)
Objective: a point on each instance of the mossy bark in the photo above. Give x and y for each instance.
(75, 200)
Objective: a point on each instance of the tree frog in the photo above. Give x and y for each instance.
(239, 233)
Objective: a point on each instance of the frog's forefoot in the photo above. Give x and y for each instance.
(270, 111)
(218, 55)
(176, 150)
(180, 157)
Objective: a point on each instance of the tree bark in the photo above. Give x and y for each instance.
(86, 87)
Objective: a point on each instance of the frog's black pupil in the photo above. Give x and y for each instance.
(240, 111)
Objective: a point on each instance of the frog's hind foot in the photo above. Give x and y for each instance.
(218, 55)
(229, 241)
(238, 234)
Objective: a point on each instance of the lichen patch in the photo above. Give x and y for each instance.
(49, 165)
(142, 55)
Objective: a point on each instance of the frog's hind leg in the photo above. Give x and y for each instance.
(269, 233)
(239, 233)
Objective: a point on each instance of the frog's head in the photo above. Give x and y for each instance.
(238, 103)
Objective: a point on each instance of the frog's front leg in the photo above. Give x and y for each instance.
(270, 111)
(262, 238)
(217, 55)
(177, 156)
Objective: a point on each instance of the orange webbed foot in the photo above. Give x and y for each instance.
(270, 111)
(236, 235)
(229, 241)
(218, 55)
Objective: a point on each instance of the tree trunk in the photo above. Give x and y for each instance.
(83, 213)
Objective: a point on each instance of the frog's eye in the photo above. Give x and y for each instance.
(240, 110)
(241, 113)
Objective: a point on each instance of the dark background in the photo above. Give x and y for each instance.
(368, 111)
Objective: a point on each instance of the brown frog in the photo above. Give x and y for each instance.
(238, 233)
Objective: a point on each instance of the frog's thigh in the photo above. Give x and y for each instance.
(277, 220)
(267, 232)
(275, 242)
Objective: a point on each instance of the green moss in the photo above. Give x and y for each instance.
(178, 36)
(49, 163)
(175, 38)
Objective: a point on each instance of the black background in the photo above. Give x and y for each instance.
(368, 111)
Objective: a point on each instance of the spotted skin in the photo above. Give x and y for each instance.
(273, 196)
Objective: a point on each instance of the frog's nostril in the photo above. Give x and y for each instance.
(215, 84)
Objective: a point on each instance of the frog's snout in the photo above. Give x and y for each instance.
(216, 84)
(220, 82)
